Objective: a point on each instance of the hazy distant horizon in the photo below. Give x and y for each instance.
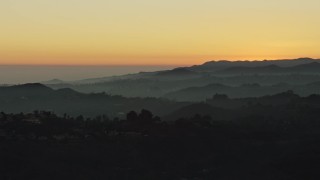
(19, 74)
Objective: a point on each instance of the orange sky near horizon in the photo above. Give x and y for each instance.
(167, 32)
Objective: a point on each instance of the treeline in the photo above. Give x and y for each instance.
(43, 125)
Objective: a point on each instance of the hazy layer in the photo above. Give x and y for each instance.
(27, 74)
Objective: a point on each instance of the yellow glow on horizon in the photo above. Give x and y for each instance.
(144, 32)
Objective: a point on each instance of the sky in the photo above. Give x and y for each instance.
(149, 32)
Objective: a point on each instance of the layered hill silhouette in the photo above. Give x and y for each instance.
(169, 83)
(208, 67)
(30, 97)
(276, 106)
(220, 120)
(241, 91)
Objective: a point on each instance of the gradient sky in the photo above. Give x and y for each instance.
(142, 32)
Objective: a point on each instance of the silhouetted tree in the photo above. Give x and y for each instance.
(132, 116)
(145, 116)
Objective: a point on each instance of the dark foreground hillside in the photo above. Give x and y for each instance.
(260, 144)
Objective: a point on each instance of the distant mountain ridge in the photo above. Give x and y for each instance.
(313, 67)
(198, 70)
(158, 84)
(177, 72)
(224, 64)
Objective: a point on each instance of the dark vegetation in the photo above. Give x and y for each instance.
(272, 137)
